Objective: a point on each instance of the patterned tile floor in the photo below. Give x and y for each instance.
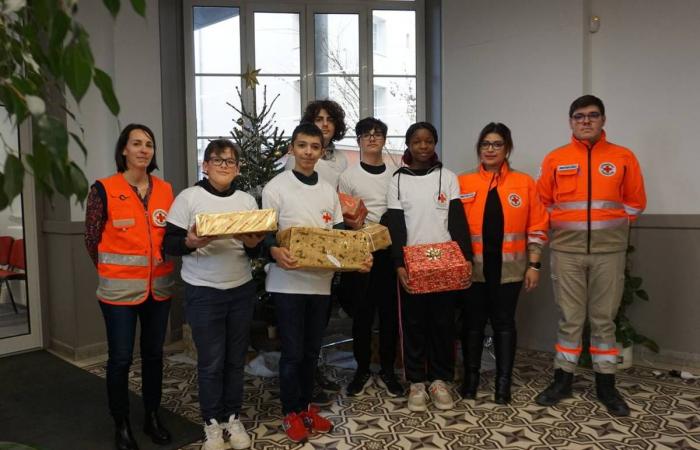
(665, 414)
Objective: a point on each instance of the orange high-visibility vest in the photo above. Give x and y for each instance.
(592, 193)
(130, 263)
(525, 219)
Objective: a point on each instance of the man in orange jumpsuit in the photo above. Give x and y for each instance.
(593, 190)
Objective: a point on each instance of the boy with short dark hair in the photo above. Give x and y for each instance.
(301, 297)
(367, 294)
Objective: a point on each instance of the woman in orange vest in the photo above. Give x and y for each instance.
(508, 227)
(124, 228)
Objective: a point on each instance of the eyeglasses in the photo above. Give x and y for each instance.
(375, 135)
(591, 117)
(497, 145)
(230, 162)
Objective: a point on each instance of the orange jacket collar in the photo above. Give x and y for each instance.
(584, 144)
(502, 173)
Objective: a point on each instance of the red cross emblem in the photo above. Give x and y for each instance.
(515, 200)
(607, 169)
(442, 198)
(326, 216)
(159, 217)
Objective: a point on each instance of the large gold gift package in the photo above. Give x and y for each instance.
(225, 225)
(323, 249)
(378, 235)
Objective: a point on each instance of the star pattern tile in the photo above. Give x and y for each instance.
(665, 413)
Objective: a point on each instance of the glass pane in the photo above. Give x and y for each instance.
(214, 116)
(394, 42)
(395, 102)
(277, 43)
(337, 44)
(396, 144)
(287, 106)
(14, 309)
(217, 40)
(345, 91)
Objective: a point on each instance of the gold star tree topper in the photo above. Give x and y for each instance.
(250, 76)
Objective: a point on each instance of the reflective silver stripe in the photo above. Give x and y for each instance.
(568, 344)
(595, 225)
(163, 282)
(516, 256)
(510, 237)
(538, 233)
(568, 357)
(595, 204)
(632, 211)
(536, 240)
(602, 345)
(122, 260)
(120, 289)
(595, 358)
(479, 258)
(477, 238)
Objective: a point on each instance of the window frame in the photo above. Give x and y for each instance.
(306, 10)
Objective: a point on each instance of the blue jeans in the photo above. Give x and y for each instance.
(120, 321)
(220, 321)
(301, 321)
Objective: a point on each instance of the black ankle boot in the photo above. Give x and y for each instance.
(472, 347)
(504, 347)
(609, 396)
(152, 427)
(123, 438)
(558, 390)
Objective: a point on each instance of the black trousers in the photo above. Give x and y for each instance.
(365, 295)
(491, 300)
(429, 335)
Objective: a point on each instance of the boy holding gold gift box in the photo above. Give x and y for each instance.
(366, 294)
(301, 297)
(219, 292)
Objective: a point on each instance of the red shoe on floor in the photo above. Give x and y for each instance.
(293, 425)
(315, 422)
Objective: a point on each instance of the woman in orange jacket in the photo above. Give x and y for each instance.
(508, 227)
(124, 229)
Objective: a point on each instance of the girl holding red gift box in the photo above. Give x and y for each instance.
(424, 208)
(508, 226)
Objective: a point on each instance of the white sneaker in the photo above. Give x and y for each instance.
(440, 395)
(237, 435)
(417, 398)
(214, 436)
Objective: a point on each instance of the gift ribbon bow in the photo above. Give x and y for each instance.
(433, 253)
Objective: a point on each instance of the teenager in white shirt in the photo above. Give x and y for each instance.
(301, 297)
(329, 117)
(424, 207)
(375, 292)
(219, 292)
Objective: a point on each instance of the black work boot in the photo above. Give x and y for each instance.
(153, 428)
(472, 347)
(123, 438)
(558, 390)
(609, 396)
(504, 347)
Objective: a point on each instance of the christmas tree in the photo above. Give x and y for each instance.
(261, 142)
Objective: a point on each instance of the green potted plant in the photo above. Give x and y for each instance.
(626, 333)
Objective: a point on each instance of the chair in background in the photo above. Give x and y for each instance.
(16, 265)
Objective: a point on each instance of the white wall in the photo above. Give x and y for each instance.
(129, 50)
(514, 62)
(646, 67)
(522, 63)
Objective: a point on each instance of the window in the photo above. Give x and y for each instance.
(363, 54)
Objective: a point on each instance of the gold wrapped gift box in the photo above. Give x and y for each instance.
(378, 235)
(225, 225)
(323, 249)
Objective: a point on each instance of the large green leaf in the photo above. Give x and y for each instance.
(59, 30)
(14, 176)
(76, 65)
(641, 293)
(78, 181)
(112, 6)
(4, 202)
(54, 137)
(139, 7)
(104, 84)
(80, 143)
